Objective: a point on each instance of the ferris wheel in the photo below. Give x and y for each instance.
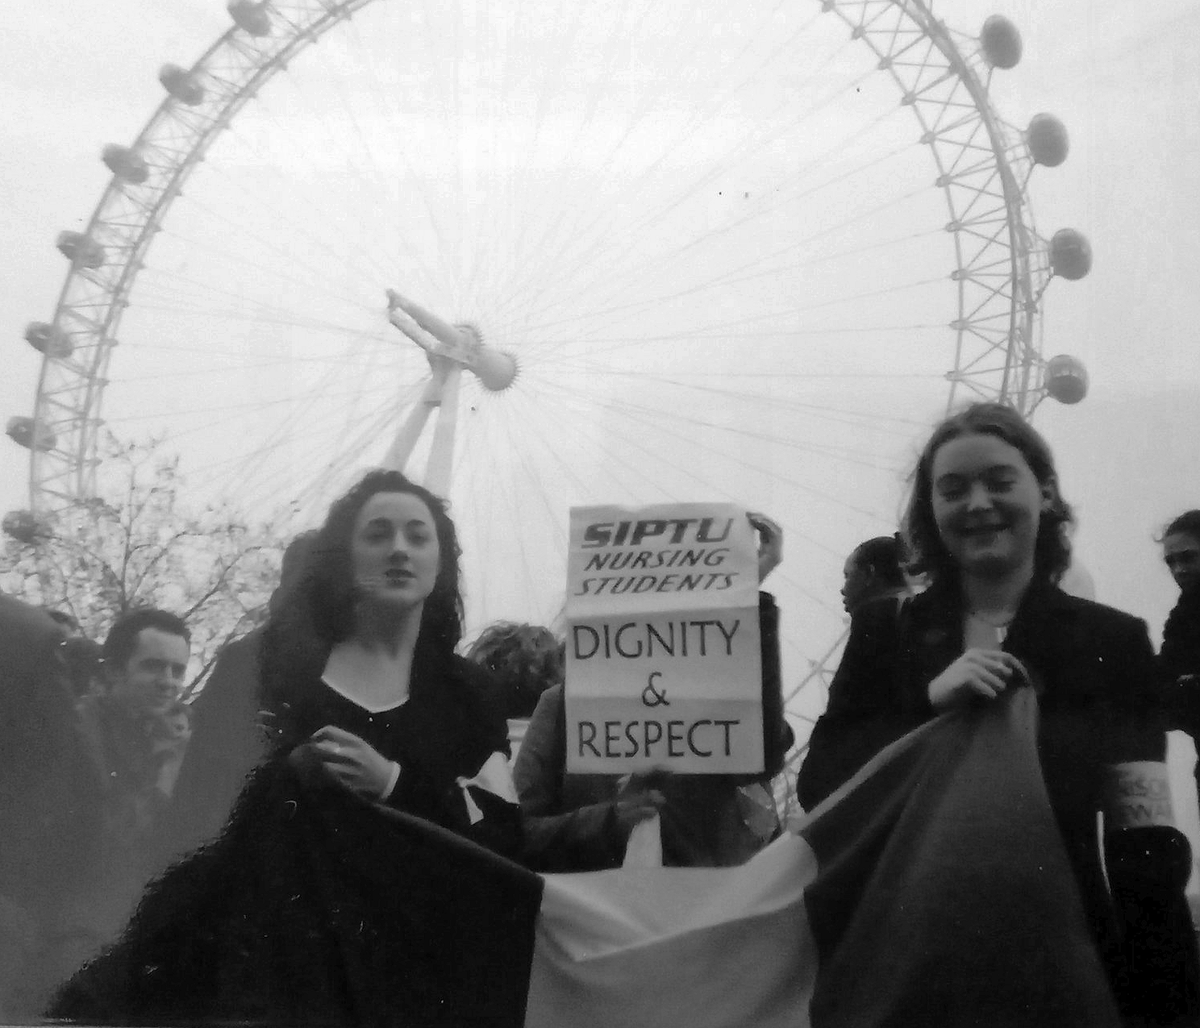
(705, 251)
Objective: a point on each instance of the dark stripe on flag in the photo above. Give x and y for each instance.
(945, 896)
(315, 909)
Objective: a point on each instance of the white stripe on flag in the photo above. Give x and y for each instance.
(677, 947)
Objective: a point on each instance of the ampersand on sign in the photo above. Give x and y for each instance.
(651, 696)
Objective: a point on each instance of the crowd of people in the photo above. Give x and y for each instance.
(313, 836)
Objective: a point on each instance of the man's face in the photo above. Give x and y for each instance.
(1181, 553)
(153, 675)
(859, 581)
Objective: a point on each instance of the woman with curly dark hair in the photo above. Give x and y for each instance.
(987, 526)
(342, 889)
(361, 685)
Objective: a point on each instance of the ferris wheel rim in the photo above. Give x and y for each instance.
(90, 305)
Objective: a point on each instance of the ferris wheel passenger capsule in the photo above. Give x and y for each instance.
(80, 249)
(1047, 140)
(250, 16)
(181, 85)
(1066, 378)
(1070, 254)
(47, 339)
(1000, 41)
(22, 525)
(28, 433)
(125, 164)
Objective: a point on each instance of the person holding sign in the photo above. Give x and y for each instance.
(986, 523)
(583, 821)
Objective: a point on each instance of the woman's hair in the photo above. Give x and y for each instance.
(319, 610)
(1188, 523)
(883, 557)
(927, 553)
(524, 661)
(328, 582)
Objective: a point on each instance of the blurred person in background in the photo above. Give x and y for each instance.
(524, 661)
(49, 801)
(583, 822)
(228, 740)
(874, 570)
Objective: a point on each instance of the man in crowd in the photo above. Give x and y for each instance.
(1180, 656)
(133, 732)
(1181, 634)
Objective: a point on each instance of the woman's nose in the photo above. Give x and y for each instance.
(978, 496)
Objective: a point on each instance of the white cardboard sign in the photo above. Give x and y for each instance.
(664, 667)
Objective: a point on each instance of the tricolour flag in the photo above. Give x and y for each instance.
(932, 889)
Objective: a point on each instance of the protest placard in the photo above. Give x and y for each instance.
(664, 666)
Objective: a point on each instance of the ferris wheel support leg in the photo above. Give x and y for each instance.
(402, 446)
(441, 453)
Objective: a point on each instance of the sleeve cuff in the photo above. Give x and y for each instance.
(391, 784)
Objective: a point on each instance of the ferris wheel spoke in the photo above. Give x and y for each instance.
(326, 328)
(265, 208)
(767, 316)
(530, 413)
(674, 143)
(872, 419)
(174, 285)
(866, 458)
(656, 419)
(634, 308)
(336, 470)
(260, 466)
(248, 408)
(604, 252)
(740, 276)
(635, 479)
(584, 366)
(741, 461)
(391, 114)
(699, 110)
(620, 344)
(286, 257)
(317, 199)
(633, 444)
(566, 425)
(507, 486)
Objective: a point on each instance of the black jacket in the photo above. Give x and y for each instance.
(1095, 670)
(1180, 658)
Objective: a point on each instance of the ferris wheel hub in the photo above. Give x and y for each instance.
(461, 344)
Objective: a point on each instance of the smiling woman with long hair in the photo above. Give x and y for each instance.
(987, 525)
(353, 883)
